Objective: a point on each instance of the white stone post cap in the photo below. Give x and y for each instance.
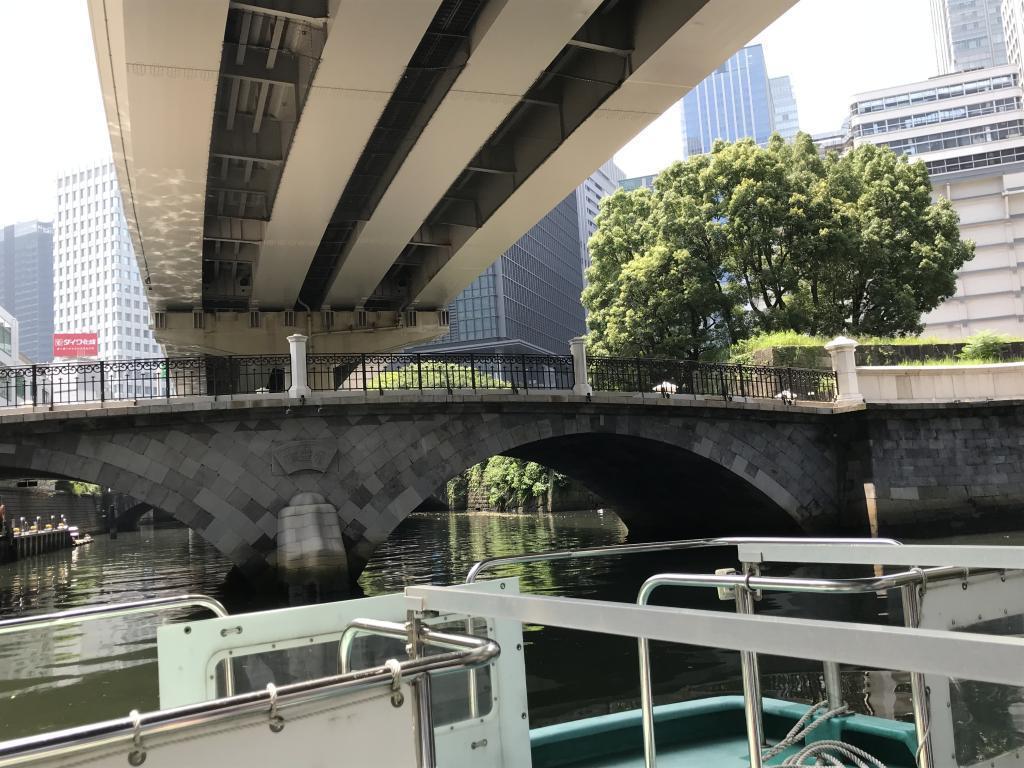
(297, 337)
(841, 342)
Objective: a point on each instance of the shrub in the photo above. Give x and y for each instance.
(985, 345)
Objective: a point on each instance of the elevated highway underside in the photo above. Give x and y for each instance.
(346, 167)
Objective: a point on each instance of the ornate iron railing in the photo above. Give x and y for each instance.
(691, 377)
(99, 381)
(444, 371)
(95, 381)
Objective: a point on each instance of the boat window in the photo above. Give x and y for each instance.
(253, 671)
(449, 692)
(988, 719)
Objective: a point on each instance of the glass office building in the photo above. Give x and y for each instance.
(968, 34)
(733, 102)
(528, 301)
(603, 182)
(26, 284)
(785, 119)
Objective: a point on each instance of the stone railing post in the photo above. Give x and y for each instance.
(841, 350)
(297, 347)
(578, 350)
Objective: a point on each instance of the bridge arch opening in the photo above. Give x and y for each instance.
(659, 489)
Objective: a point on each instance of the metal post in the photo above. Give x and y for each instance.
(833, 685)
(752, 705)
(472, 370)
(424, 712)
(34, 391)
(789, 386)
(103, 382)
(639, 376)
(911, 598)
(647, 699)
(362, 362)
(526, 386)
(419, 371)
(167, 378)
(743, 388)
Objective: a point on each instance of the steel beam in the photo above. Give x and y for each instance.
(499, 72)
(366, 51)
(284, 70)
(675, 45)
(308, 11)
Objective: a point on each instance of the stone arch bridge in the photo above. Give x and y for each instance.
(680, 466)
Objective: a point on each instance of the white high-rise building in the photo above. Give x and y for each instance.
(968, 129)
(9, 357)
(968, 34)
(96, 283)
(604, 181)
(1013, 31)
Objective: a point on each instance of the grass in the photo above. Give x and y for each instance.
(794, 339)
(957, 361)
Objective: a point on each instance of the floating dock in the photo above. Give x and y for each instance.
(27, 543)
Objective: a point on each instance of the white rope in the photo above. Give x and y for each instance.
(827, 752)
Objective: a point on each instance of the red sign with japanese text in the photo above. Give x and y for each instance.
(75, 345)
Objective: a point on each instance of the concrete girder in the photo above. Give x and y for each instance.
(158, 65)
(669, 59)
(233, 331)
(344, 104)
(498, 74)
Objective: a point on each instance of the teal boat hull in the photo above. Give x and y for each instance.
(709, 733)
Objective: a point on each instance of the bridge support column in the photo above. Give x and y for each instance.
(841, 350)
(310, 549)
(297, 347)
(578, 349)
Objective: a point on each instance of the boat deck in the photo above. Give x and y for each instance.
(709, 733)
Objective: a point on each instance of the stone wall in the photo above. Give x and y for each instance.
(567, 496)
(82, 511)
(928, 470)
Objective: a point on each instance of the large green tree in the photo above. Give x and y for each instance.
(752, 238)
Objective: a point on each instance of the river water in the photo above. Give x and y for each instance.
(78, 674)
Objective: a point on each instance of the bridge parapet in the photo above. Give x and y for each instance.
(298, 375)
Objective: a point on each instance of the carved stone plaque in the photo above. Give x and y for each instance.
(304, 456)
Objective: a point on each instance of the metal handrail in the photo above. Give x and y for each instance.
(476, 651)
(745, 585)
(109, 611)
(75, 616)
(800, 584)
(612, 550)
(397, 632)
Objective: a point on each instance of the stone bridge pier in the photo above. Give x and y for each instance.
(237, 471)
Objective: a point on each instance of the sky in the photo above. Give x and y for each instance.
(831, 50)
(54, 120)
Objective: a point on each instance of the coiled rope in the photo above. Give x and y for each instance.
(828, 752)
